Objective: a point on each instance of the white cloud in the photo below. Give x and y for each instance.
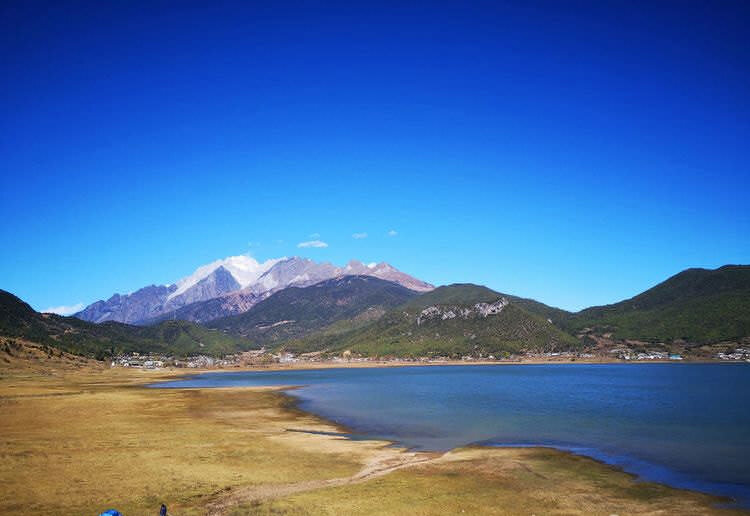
(312, 243)
(359, 236)
(392, 233)
(64, 309)
(315, 236)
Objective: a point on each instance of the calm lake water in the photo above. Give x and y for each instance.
(686, 425)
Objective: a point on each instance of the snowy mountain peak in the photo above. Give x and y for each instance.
(234, 285)
(245, 269)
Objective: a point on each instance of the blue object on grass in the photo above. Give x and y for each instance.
(111, 512)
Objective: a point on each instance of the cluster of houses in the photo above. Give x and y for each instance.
(737, 354)
(248, 358)
(285, 358)
(557, 355)
(140, 361)
(152, 361)
(347, 357)
(629, 354)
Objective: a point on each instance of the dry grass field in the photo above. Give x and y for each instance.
(495, 482)
(76, 440)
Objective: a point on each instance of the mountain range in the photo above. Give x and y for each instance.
(231, 286)
(696, 312)
(687, 313)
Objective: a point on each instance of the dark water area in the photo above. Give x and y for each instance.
(686, 425)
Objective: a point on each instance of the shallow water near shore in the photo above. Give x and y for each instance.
(686, 425)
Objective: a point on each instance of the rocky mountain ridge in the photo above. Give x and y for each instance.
(231, 286)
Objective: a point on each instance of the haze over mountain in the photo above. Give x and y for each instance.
(231, 286)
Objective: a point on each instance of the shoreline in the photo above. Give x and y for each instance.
(237, 450)
(343, 431)
(305, 365)
(577, 451)
(610, 461)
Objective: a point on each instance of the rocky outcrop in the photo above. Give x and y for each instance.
(478, 310)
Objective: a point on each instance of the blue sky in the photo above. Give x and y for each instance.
(574, 152)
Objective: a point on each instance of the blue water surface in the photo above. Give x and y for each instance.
(686, 425)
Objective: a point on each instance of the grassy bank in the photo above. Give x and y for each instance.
(496, 482)
(75, 441)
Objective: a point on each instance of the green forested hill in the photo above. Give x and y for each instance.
(556, 315)
(696, 305)
(179, 338)
(449, 321)
(334, 305)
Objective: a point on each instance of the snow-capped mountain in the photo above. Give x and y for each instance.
(295, 271)
(244, 269)
(231, 286)
(387, 272)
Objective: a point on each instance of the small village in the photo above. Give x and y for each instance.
(628, 354)
(266, 358)
(155, 361)
(737, 354)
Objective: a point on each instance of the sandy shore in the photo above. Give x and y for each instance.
(80, 441)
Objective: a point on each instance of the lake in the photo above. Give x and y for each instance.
(687, 425)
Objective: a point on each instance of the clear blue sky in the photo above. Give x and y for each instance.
(574, 152)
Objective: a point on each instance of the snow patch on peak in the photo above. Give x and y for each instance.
(245, 269)
(300, 278)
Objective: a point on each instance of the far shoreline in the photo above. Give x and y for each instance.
(310, 365)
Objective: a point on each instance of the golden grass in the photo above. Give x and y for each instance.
(82, 444)
(509, 481)
(75, 442)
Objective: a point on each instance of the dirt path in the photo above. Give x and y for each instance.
(379, 466)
